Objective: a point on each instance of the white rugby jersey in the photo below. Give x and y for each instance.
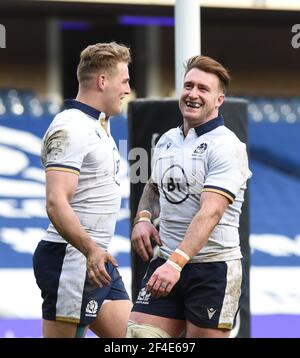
(210, 158)
(76, 142)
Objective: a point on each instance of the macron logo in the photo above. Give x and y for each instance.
(211, 312)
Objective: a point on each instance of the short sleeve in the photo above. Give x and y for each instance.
(227, 169)
(64, 148)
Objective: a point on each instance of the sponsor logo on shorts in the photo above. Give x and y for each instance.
(143, 297)
(211, 312)
(91, 309)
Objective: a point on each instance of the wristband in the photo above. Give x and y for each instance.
(138, 220)
(173, 264)
(179, 257)
(143, 215)
(182, 253)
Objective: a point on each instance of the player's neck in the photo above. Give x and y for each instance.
(89, 99)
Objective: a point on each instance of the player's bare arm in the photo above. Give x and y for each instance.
(150, 199)
(212, 207)
(143, 230)
(60, 188)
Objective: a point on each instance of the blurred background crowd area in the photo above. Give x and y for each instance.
(44, 39)
(16, 103)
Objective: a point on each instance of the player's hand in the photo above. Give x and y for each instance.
(95, 265)
(163, 279)
(141, 236)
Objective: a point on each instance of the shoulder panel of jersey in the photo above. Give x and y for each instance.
(67, 141)
(227, 164)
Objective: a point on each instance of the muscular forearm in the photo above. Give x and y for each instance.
(212, 208)
(150, 200)
(68, 226)
(198, 232)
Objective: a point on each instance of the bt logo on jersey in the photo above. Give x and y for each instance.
(296, 38)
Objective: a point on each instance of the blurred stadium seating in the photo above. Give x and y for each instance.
(261, 109)
(25, 104)
(274, 109)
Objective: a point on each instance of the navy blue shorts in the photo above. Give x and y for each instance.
(207, 294)
(60, 272)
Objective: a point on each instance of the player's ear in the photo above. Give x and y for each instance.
(101, 80)
(220, 100)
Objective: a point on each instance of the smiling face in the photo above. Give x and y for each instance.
(115, 89)
(201, 97)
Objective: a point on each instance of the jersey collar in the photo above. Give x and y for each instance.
(90, 111)
(210, 125)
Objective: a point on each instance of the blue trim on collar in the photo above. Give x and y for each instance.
(210, 125)
(90, 111)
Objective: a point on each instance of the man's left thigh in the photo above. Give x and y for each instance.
(213, 293)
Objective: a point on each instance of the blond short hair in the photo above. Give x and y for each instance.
(101, 56)
(209, 65)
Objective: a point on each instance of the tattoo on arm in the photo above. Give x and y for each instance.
(150, 200)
